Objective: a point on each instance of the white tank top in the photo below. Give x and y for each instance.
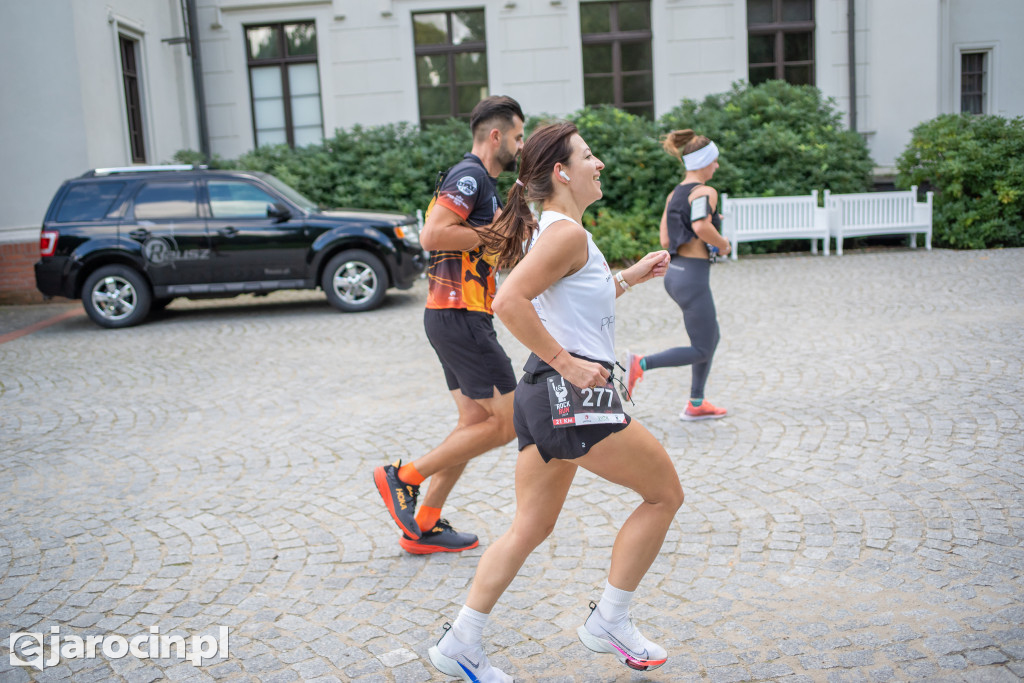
(579, 310)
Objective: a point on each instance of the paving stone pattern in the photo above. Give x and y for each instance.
(857, 517)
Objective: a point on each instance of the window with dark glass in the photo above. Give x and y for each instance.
(88, 202)
(780, 41)
(972, 82)
(451, 62)
(236, 199)
(617, 64)
(132, 100)
(284, 80)
(157, 201)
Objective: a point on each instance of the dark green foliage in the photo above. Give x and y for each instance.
(774, 138)
(976, 165)
(391, 167)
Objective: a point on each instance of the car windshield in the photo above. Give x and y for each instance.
(290, 193)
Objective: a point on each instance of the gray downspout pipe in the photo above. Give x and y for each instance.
(197, 79)
(851, 48)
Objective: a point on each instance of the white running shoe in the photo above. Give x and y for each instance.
(622, 640)
(467, 662)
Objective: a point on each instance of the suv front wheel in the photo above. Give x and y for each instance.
(116, 296)
(354, 281)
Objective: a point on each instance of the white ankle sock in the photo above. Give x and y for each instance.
(614, 604)
(469, 625)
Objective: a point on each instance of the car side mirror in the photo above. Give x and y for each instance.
(279, 211)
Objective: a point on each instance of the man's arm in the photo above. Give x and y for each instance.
(444, 230)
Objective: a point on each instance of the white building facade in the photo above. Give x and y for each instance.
(293, 71)
(102, 86)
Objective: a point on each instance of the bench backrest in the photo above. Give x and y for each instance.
(875, 208)
(766, 214)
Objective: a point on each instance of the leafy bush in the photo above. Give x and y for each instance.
(391, 167)
(976, 165)
(623, 236)
(774, 138)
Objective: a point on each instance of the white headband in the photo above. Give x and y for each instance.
(701, 158)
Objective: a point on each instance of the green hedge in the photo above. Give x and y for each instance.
(391, 167)
(775, 139)
(976, 166)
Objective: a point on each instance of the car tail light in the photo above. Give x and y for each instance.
(48, 242)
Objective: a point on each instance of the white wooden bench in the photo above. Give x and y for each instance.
(879, 213)
(750, 219)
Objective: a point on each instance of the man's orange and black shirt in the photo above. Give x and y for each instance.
(465, 279)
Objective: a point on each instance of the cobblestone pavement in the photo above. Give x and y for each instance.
(858, 517)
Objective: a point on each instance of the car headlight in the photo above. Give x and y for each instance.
(409, 233)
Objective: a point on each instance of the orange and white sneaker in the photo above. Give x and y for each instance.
(622, 640)
(705, 411)
(634, 373)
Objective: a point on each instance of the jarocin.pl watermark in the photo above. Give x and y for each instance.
(28, 649)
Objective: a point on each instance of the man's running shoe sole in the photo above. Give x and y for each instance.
(606, 646)
(380, 478)
(422, 548)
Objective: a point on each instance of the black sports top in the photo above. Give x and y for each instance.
(465, 279)
(680, 231)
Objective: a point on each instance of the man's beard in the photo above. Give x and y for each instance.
(508, 162)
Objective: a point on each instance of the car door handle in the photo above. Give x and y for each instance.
(229, 231)
(140, 233)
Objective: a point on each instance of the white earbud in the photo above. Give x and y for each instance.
(565, 177)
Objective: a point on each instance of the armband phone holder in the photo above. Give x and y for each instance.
(699, 208)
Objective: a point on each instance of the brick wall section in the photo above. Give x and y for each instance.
(17, 273)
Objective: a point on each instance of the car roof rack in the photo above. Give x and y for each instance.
(143, 169)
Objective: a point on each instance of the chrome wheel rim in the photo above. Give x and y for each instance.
(114, 297)
(355, 282)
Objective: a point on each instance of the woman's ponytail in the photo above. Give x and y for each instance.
(514, 226)
(679, 143)
(508, 235)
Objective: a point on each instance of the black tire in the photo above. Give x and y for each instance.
(116, 296)
(354, 281)
(160, 304)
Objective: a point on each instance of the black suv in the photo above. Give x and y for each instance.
(129, 240)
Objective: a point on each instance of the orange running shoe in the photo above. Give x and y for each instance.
(705, 411)
(441, 539)
(634, 373)
(399, 497)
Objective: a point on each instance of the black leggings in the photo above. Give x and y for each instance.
(688, 283)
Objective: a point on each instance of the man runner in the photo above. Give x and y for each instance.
(458, 323)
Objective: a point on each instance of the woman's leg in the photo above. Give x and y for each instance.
(635, 459)
(701, 321)
(687, 282)
(540, 493)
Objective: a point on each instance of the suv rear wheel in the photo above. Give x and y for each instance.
(355, 280)
(116, 296)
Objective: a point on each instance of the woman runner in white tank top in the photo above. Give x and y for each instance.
(558, 301)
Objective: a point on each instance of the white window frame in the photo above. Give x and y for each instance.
(989, 101)
(122, 26)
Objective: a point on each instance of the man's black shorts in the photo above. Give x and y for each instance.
(468, 348)
(531, 417)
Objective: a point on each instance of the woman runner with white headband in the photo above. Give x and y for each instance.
(690, 226)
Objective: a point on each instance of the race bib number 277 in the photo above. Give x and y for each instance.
(574, 407)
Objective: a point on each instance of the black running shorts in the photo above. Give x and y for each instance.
(531, 418)
(468, 348)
